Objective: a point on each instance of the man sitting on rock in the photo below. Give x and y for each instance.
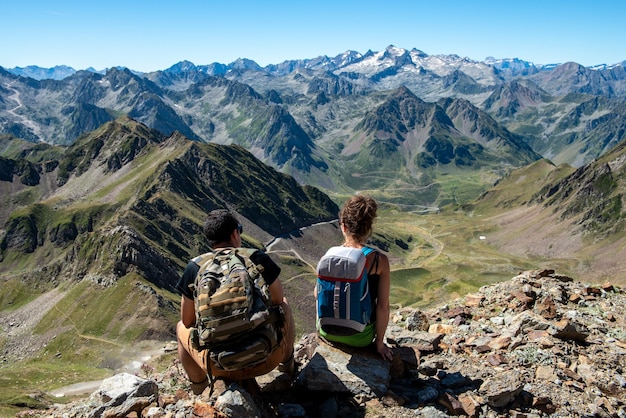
(223, 231)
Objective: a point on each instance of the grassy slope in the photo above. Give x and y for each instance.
(518, 224)
(446, 259)
(86, 346)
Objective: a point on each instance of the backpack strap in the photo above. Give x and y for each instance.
(255, 270)
(199, 259)
(374, 268)
(367, 251)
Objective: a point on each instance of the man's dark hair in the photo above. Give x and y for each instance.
(220, 223)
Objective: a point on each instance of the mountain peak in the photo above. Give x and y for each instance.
(245, 64)
(182, 66)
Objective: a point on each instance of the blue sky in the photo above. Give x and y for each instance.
(154, 35)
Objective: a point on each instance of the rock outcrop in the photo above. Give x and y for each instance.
(540, 344)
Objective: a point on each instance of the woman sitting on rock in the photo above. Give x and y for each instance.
(356, 219)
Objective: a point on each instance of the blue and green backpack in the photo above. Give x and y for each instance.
(344, 303)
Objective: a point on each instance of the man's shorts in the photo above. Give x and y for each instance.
(281, 354)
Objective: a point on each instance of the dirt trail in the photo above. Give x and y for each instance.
(23, 119)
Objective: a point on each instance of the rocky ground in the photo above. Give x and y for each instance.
(540, 344)
(20, 342)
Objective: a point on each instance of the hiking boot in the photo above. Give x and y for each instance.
(288, 367)
(198, 388)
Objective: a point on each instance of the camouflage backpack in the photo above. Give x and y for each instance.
(234, 318)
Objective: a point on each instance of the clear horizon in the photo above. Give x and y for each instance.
(154, 35)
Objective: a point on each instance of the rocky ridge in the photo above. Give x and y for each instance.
(540, 344)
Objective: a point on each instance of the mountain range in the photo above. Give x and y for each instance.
(326, 120)
(128, 182)
(106, 176)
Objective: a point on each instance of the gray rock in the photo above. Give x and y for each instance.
(501, 389)
(354, 371)
(237, 402)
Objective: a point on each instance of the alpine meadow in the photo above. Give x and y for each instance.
(481, 169)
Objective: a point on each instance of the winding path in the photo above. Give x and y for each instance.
(21, 118)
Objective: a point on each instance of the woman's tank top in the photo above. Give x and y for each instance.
(372, 282)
